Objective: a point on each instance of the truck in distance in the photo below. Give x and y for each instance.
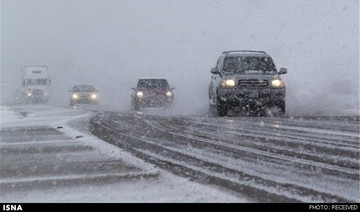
(35, 85)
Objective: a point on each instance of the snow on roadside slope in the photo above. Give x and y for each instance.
(165, 188)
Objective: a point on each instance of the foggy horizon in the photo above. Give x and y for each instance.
(110, 44)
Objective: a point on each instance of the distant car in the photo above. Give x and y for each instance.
(152, 93)
(247, 80)
(83, 94)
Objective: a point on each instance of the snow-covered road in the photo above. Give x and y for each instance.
(48, 155)
(304, 159)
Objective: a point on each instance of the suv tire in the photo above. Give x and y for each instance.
(136, 106)
(221, 107)
(282, 107)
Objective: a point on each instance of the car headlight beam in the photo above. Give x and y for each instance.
(93, 96)
(140, 94)
(75, 96)
(169, 94)
(228, 83)
(277, 83)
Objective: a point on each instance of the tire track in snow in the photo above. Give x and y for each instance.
(149, 135)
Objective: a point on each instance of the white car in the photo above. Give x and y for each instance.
(84, 94)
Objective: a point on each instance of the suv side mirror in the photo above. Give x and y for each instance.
(282, 71)
(172, 88)
(133, 89)
(215, 71)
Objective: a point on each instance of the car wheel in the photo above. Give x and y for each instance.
(136, 106)
(212, 110)
(282, 107)
(221, 107)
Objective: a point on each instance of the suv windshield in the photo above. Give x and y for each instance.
(249, 65)
(161, 84)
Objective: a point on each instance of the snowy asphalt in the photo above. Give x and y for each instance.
(304, 159)
(48, 155)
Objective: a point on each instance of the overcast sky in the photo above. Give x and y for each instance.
(112, 43)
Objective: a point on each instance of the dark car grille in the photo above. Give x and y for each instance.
(253, 83)
(84, 96)
(37, 92)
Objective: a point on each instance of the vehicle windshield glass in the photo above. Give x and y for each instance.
(84, 88)
(249, 65)
(153, 84)
(36, 82)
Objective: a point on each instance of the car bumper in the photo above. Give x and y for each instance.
(251, 96)
(153, 101)
(37, 98)
(84, 101)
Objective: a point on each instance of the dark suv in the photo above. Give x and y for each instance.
(246, 80)
(152, 92)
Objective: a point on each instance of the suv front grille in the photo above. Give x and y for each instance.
(253, 83)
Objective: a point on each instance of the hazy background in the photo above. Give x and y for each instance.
(111, 43)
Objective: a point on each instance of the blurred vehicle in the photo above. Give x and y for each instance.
(152, 93)
(246, 80)
(35, 85)
(84, 94)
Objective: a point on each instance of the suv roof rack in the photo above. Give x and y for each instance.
(227, 52)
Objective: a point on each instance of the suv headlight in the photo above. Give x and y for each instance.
(140, 94)
(75, 96)
(277, 83)
(227, 83)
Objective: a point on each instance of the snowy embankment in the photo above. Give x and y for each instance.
(70, 165)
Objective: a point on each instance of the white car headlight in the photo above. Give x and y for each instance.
(93, 96)
(140, 94)
(228, 83)
(29, 94)
(75, 96)
(169, 94)
(277, 83)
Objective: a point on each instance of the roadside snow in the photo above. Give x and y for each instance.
(73, 122)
